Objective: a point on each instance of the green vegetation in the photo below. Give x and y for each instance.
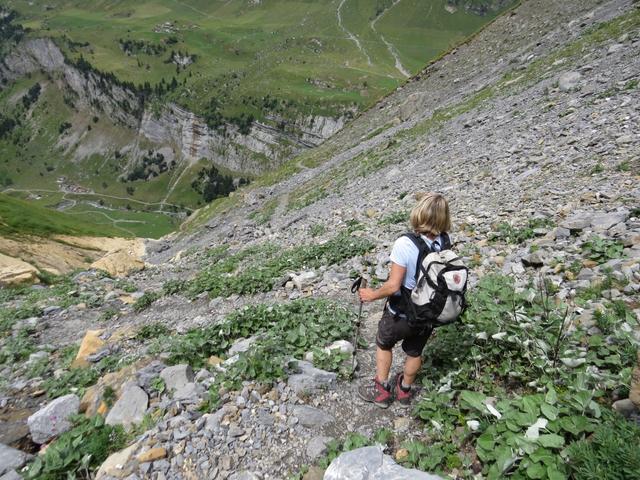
(76, 380)
(282, 331)
(514, 386)
(263, 266)
(517, 235)
(79, 451)
(401, 216)
(317, 229)
(152, 330)
(16, 348)
(18, 217)
(600, 249)
(145, 301)
(250, 45)
(609, 453)
(265, 213)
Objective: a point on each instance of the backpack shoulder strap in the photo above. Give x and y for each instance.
(446, 241)
(423, 250)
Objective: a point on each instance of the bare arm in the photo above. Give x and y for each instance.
(391, 286)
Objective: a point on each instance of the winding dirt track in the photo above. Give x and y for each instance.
(350, 35)
(390, 47)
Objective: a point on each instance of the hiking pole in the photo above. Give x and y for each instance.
(357, 285)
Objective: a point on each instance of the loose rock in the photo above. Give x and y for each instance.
(53, 419)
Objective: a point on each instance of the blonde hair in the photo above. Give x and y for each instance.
(430, 216)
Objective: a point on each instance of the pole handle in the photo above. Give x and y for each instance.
(359, 283)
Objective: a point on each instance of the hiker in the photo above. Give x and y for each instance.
(430, 221)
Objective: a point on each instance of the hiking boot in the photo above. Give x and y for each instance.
(403, 396)
(375, 392)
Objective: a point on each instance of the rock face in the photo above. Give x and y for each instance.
(14, 271)
(569, 81)
(370, 463)
(237, 152)
(87, 87)
(311, 417)
(53, 419)
(130, 407)
(119, 264)
(115, 465)
(263, 147)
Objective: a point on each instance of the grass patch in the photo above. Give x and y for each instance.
(401, 216)
(265, 213)
(19, 217)
(145, 301)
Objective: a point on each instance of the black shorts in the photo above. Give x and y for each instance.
(393, 328)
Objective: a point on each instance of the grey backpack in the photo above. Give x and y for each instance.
(441, 284)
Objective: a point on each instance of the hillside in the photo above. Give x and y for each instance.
(197, 363)
(158, 108)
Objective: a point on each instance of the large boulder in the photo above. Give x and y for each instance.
(370, 463)
(119, 264)
(53, 419)
(11, 458)
(130, 407)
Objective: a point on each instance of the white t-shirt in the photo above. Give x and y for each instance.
(405, 254)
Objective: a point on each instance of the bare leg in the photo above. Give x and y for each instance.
(411, 367)
(383, 364)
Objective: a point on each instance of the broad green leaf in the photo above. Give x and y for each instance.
(543, 455)
(551, 397)
(554, 474)
(613, 359)
(551, 440)
(486, 441)
(536, 470)
(531, 405)
(527, 446)
(513, 426)
(549, 411)
(473, 399)
(596, 340)
(504, 458)
(524, 419)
